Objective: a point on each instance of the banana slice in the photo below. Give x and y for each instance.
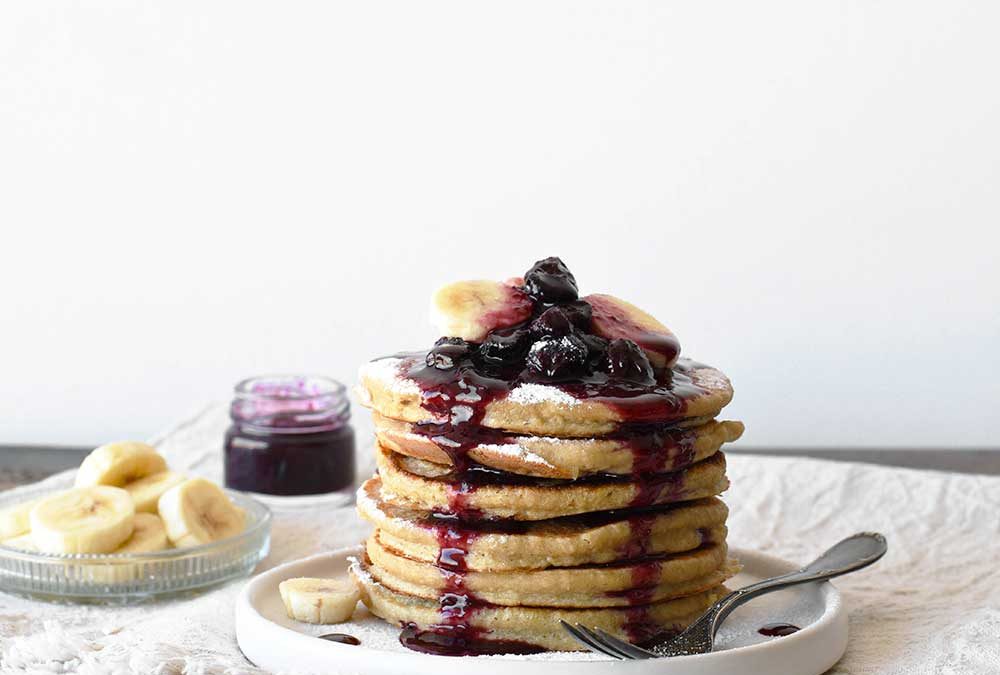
(22, 543)
(319, 600)
(198, 512)
(471, 309)
(95, 519)
(149, 534)
(146, 492)
(14, 521)
(614, 318)
(119, 463)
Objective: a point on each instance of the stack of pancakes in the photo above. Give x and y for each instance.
(502, 508)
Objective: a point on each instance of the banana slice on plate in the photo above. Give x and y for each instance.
(119, 463)
(319, 600)
(15, 520)
(95, 519)
(148, 535)
(146, 492)
(198, 512)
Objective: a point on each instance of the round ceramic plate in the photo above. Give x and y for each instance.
(272, 641)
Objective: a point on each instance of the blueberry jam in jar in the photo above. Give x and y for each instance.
(291, 436)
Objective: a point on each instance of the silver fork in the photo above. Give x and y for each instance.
(855, 552)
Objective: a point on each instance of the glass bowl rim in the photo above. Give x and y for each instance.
(259, 515)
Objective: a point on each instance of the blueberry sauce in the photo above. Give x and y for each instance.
(778, 629)
(464, 532)
(455, 602)
(637, 624)
(342, 638)
(447, 641)
(658, 449)
(471, 381)
(647, 463)
(455, 634)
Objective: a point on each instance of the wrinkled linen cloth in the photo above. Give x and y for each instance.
(932, 605)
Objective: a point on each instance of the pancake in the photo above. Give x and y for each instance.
(537, 626)
(615, 585)
(392, 388)
(414, 483)
(597, 538)
(663, 449)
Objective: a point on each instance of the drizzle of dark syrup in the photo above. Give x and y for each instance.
(474, 528)
(649, 467)
(778, 629)
(651, 489)
(342, 638)
(447, 641)
(455, 395)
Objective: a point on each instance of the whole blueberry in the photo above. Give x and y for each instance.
(505, 347)
(625, 360)
(597, 352)
(556, 357)
(447, 352)
(597, 347)
(552, 322)
(550, 281)
(579, 314)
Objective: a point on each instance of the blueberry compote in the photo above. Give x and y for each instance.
(290, 435)
(342, 638)
(588, 355)
(778, 629)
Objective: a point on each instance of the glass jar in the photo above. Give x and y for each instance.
(291, 436)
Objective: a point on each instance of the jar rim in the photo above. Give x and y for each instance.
(326, 386)
(290, 404)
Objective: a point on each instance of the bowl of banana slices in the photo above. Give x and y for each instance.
(128, 529)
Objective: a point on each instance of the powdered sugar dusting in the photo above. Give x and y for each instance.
(541, 393)
(364, 502)
(522, 453)
(387, 372)
(367, 504)
(553, 440)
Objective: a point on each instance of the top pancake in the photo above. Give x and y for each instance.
(696, 391)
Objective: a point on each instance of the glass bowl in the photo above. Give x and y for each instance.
(134, 577)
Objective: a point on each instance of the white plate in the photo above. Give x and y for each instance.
(272, 641)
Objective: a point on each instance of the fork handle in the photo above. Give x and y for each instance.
(855, 552)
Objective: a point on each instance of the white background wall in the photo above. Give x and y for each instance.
(807, 193)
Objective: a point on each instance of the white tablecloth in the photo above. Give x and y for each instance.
(932, 605)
